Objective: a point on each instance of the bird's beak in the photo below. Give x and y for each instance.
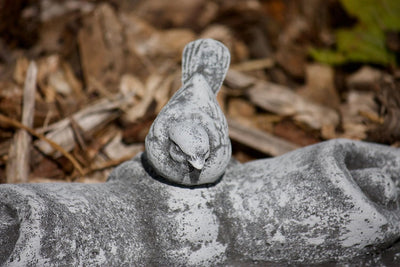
(197, 163)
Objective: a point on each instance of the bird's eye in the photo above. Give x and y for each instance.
(176, 153)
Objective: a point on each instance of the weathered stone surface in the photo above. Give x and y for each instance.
(188, 142)
(327, 202)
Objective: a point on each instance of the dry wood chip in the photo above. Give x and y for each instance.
(54, 9)
(89, 119)
(292, 59)
(130, 84)
(136, 132)
(57, 147)
(10, 100)
(101, 139)
(156, 92)
(259, 140)
(237, 80)
(171, 42)
(100, 46)
(58, 81)
(5, 147)
(257, 64)
(389, 102)
(116, 149)
(45, 167)
(75, 84)
(21, 67)
(17, 169)
(178, 13)
(240, 108)
(366, 78)
(283, 101)
(320, 86)
(224, 34)
(354, 124)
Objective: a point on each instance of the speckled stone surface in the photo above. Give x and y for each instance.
(188, 142)
(328, 202)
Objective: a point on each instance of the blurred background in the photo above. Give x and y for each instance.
(90, 76)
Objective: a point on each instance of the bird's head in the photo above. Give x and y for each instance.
(189, 143)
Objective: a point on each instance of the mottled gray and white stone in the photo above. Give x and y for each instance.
(188, 142)
(332, 202)
(328, 202)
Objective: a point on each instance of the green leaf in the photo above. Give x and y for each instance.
(329, 57)
(361, 45)
(366, 42)
(384, 14)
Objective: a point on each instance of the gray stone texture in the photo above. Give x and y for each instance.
(328, 202)
(188, 142)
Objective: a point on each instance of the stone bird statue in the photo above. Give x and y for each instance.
(188, 142)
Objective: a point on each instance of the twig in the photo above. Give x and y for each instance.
(371, 116)
(54, 145)
(17, 169)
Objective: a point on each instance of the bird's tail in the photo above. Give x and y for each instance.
(207, 57)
